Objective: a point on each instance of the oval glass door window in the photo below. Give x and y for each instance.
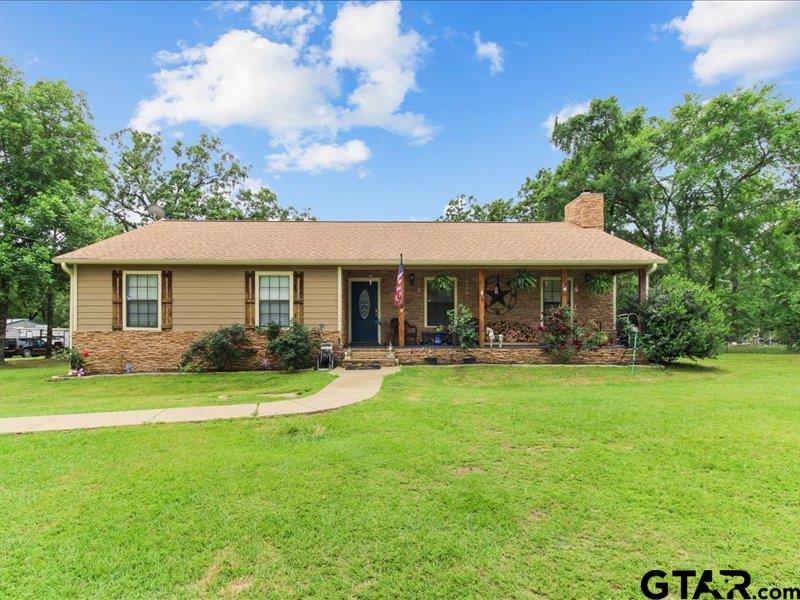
(364, 304)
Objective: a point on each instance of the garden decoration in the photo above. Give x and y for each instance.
(492, 335)
(500, 295)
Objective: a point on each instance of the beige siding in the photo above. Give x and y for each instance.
(94, 298)
(203, 297)
(320, 303)
(207, 297)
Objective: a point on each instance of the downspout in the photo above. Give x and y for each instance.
(73, 297)
(650, 271)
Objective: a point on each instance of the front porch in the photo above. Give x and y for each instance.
(418, 329)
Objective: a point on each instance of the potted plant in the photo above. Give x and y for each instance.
(523, 281)
(442, 282)
(599, 284)
(438, 336)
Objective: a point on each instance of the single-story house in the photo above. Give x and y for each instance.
(143, 296)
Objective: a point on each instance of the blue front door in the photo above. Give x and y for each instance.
(364, 312)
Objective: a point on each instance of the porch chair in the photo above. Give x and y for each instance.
(411, 332)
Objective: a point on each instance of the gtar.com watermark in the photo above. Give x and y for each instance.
(726, 583)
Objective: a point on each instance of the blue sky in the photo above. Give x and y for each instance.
(387, 111)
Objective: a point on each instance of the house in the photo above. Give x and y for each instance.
(143, 296)
(28, 329)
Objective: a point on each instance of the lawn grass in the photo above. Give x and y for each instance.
(26, 389)
(482, 482)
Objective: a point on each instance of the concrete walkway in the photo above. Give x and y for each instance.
(348, 388)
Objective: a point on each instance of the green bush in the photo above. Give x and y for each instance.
(219, 350)
(272, 330)
(463, 327)
(293, 347)
(681, 319)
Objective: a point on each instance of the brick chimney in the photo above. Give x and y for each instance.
(586, 211)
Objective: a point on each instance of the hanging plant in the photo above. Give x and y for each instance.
(599, 284)
(523, 281)
(442, 282)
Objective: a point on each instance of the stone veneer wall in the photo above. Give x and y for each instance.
(153, 351)
(590, 310)
(509, 355)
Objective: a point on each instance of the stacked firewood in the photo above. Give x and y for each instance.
(515, 331)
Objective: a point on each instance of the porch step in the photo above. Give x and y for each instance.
(369, 354)
(368, 363)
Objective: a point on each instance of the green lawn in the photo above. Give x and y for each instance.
(483, 482)
(26, 389)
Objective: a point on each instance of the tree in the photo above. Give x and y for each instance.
(197, 181)
(49, 153)
(707, 187)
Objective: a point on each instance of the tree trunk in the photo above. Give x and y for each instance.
(4, 307)
(49, 301)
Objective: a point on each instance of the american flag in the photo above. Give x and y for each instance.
(399, 290)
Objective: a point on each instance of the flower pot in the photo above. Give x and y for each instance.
(438, 338)
(431, 360)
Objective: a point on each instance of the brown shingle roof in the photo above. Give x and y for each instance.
(338, 242)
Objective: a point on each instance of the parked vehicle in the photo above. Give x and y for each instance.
(10, 347)
(35, 347)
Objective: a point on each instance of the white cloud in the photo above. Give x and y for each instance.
(295, 23)
(320, 157)
(225, 6)
(294, 89)
(369, 40)
(489, 51)
(570, 110)
(743, 40)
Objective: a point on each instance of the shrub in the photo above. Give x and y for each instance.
(272, 330)
(76, 360)
(463, 327)
(293, 347)
(681, 319)
(564, 338)
(219, 350)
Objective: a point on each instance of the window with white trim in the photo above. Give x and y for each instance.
(274, 299)
(437, 303)
(551, 293)
(141, 300)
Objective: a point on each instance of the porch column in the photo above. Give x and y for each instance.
(401, 321)
(564, 288)
(481, 308)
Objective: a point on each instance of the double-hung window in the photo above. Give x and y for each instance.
(437, 303)
(274, 299)
(551, 293)
(141, 300)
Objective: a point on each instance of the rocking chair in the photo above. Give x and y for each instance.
(411, 333)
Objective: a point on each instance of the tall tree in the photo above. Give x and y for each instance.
(196, 181)
(49, 152)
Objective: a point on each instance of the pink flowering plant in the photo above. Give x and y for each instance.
(564, 338)
(75, 358)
